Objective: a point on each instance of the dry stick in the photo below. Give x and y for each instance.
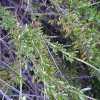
(3, 98)
(80, 60)
(28, 95)
(6, 97)
(20, 95)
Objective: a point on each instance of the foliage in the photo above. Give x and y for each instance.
(46, 66)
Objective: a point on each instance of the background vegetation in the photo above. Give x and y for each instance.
(49, 49)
